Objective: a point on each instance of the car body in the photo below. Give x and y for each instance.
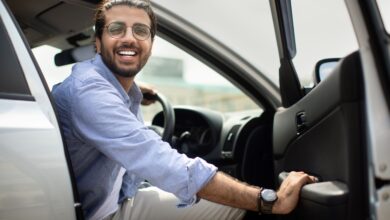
(336, 129)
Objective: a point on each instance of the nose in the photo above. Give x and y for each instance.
(129, 34)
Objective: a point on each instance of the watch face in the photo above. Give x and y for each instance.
(268, 195)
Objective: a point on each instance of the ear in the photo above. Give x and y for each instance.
(98, 45)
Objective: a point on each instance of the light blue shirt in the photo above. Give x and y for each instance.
(104, 131)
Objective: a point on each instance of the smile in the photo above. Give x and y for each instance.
(127, 53)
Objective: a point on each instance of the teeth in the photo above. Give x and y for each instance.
(126, 53)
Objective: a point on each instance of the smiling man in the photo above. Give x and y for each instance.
(112, 151)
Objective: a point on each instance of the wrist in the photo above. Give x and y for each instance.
(266, 200)
(279, 207)
(258, 200)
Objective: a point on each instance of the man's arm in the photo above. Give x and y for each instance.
(225, 190)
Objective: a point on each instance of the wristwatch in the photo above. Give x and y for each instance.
(266, 200)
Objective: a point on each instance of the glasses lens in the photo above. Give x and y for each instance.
(116, 29)
(141, 31)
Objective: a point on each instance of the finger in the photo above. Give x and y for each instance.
(314, 179)
(147, 102)
(306, 176)
(152, 91)
(309, 179)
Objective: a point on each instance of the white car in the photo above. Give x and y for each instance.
(258, 88)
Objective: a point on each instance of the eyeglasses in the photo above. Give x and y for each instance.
(118, 30)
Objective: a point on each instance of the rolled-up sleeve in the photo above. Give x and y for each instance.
(102, 119)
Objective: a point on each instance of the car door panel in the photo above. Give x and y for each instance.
(326, 142)
(34, 175)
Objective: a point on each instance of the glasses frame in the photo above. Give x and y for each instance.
(136, 36)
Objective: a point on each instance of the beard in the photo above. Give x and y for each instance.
(129, 72)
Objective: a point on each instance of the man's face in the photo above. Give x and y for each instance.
(125, 56)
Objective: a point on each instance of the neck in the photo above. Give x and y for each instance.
(126, 82)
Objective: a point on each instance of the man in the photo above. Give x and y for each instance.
(112, 151)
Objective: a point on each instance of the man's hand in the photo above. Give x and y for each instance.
(146, 88)
(226, 190)
(288, 193)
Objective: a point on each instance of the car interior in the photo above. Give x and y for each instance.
(319, 131)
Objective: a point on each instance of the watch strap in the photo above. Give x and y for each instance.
(259, 201)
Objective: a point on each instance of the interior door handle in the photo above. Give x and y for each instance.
(326, 193)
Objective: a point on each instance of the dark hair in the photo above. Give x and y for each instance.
(105, 5)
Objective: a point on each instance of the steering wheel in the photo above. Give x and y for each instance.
(169, 117)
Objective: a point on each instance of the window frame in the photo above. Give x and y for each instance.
(19, 89)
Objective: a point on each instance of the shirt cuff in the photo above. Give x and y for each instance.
(200, 173)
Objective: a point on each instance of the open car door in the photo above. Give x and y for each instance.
(339, 130)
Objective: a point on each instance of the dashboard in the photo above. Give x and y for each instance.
(219, 138)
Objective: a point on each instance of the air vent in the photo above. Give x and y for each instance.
(230, 138)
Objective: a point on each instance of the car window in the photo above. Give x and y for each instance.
(187, 81)
(12, 81)
(253, 38)
(183, 79)
(384, 8)
(322, 30)
(45, 57)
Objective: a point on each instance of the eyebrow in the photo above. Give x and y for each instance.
(136, 23)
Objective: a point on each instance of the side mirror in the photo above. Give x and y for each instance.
(323, 68)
